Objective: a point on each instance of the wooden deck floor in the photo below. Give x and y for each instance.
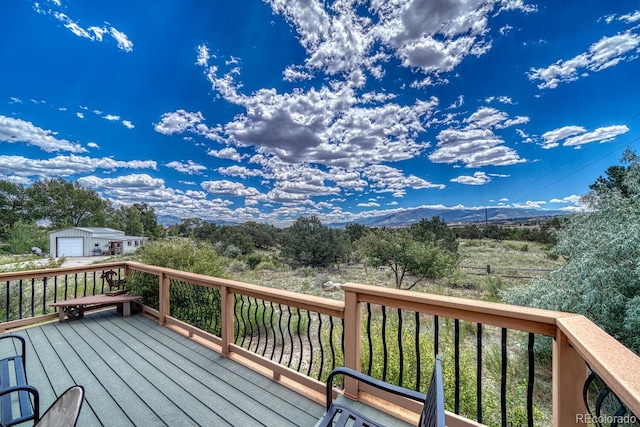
(137, 373)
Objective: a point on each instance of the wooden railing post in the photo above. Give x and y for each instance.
(352, 340)
(226, 318)
(163, 281)
(569, 376)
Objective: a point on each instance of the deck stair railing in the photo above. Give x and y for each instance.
(493, 354)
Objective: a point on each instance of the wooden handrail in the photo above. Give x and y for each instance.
(576, 338)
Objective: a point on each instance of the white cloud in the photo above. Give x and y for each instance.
(240, 171)
(80, 115)
(111, 117)
(190, 168)
(228, 188)
(631, 18)
(121, 38)
(66, 165)
(478, 178)
(569, 199)
(605, 53)
(94, 33)
(552, 138)
(578, 135)
(604, 134)
(229, 153)
(92, 145)
(183, 121)
(17, 130)
(14, 100)
(474, 148)
(385, 179)
(128, 124)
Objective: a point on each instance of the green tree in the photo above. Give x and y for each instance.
(12, 205)
(406, 256)
(65, 204)
(309, 243)
(437, 232)
(24, 236)
(601, 278)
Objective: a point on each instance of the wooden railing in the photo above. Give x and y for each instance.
(297, 339)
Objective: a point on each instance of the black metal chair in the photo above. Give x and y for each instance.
(339, 415)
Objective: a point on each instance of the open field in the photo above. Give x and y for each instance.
(507, 256)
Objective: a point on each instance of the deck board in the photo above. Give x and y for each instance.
(137, 373)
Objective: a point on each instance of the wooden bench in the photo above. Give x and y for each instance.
(16, 405)
(75, 308)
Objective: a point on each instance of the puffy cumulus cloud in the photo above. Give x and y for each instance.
(473, 147)
(93, 145)
(577, 136)
(530, 204)
(128, 124)
(240, 171)
(569, 199)
(17, 130)
(385, 179)
(431, 36)
(181, 121)
(478, 178)
(328, 126)
(605, 53)
(229, 188)
(111, 117)
(190, 167)
(66, 165)
(476, 144)
(488, 117)
(228, 153)
(80, 115)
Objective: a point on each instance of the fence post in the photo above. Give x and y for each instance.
(352, 338)
(163, 281)
(226, 318)
(569, 375)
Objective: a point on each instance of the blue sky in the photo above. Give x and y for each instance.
(271, 110)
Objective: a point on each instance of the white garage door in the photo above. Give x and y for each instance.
(69, 246)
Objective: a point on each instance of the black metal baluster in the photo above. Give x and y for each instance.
(400, 349)
(384, 344)
(331, 344)
(290, 337)
(266, 328)
(503, 379)
(456, 355)
(66, 287)
(85, 284)
(417, 344)
(320, 345)
(436, 335)
(235, 317)
(479, 373)
(94, 283)
(55, 288)
(370, 341)
(244, 324)
(280, 311)
(33, 297)
(530, 380)
(8, 301)
(255, 318)
(75, 288)
(275, 338)
(44, 295)
(310, 343)
(20, 301)
(250, 322)
(299, 339)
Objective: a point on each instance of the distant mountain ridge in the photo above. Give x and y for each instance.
(411, 216)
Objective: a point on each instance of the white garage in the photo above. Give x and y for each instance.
(69, 246)
(88, 241)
